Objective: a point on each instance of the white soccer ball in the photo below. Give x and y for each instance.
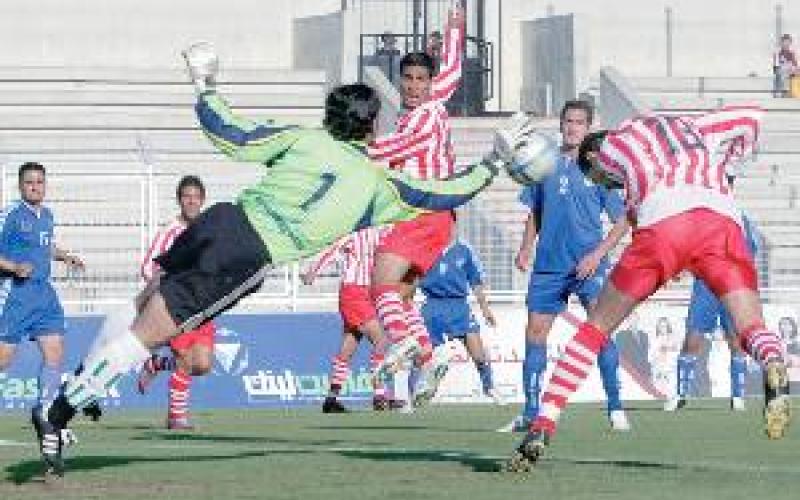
(534, 158)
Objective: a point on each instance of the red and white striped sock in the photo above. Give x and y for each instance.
(417, 328)
(179, 384)
(388, 303)
(340, 369)
(375, 359)
(760, 343)
(570, 371)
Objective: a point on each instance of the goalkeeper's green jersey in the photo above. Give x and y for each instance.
(316, 189)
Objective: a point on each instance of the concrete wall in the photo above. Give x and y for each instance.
(135, 33)
(711, 37)
(312, 34)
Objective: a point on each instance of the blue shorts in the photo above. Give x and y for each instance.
(448, 319)
(548, 293)
(31, 309)
(706, 312)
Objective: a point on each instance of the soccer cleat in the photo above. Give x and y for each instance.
(396, 355)
(382, 403)
(333, 405)
(528, 452)
(777, 406)
(50, 444)
(148, 374)
(674, 404)
(93, 411)
(619, 421)
(737, 403)
(428, 381)
(179, 424)
(496, 397)
(520, 423)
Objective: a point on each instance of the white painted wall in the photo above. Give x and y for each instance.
(139, 33)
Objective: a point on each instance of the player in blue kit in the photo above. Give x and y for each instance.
(29, 306)
(448, 316)
(571, 259)
(706, 314)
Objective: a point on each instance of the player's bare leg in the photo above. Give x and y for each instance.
(571, 369)
(111, 356)
(765, 347)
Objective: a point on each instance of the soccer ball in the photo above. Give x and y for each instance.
(534, 158)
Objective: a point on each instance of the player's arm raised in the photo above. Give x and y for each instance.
(445, 83)
(240, 138)
(733, 129)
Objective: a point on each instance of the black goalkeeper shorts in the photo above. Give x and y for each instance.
(211, 265)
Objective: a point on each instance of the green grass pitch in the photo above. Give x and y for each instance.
(703, 452)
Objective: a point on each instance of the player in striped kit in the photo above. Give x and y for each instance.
(420, 147)
(673, 172)
(191, 351)
(706, 313)
(355, 254)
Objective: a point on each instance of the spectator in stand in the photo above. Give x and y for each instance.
(784, 65)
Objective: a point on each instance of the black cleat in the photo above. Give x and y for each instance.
(528, 452)
(50, 444)
(777, 404)
(332, 405)
(93, 411)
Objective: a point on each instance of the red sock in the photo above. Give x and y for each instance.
(570, 371)
(340, 369)
(375, 359)
(179, 383)
(417, 328)
(388, 303)
(760, 343)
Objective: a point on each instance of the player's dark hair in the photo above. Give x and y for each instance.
(188, 181)
(584, 106)
(30, 166)
(350, 111)
(590, 144)
(418, 59)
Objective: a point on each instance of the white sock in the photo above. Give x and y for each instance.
(105, 364)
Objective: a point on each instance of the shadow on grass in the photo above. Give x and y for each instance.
(477, 463)
(28, 470)
(625, 464)
(264, 440)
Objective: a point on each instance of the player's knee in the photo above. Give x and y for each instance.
(538, 327)
(693, 345)
(201, 365)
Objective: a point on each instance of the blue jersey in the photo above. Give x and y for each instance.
(569, 206)
(27, 237)
(456, 272)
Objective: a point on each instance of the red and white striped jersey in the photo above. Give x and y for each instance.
(421, 145)
(672, 164)
(161, 243)
(355, 254)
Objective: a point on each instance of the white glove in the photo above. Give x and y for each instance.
(510, 138)
(203, 65)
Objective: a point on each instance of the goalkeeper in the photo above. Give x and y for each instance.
(318, 185)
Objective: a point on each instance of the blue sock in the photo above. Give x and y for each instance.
(485, 373)
(686, 369)
(48, 383)
(532, 370)
(738, 374)
(608, 363)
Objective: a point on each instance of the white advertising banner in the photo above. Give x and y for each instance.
(649, 343)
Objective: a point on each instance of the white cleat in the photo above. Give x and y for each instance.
(674, 404)
(430, 376)
(496, 397)
(619, 421)
(737, 404)
(68, 437)
(518, 424)
(397, 355)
